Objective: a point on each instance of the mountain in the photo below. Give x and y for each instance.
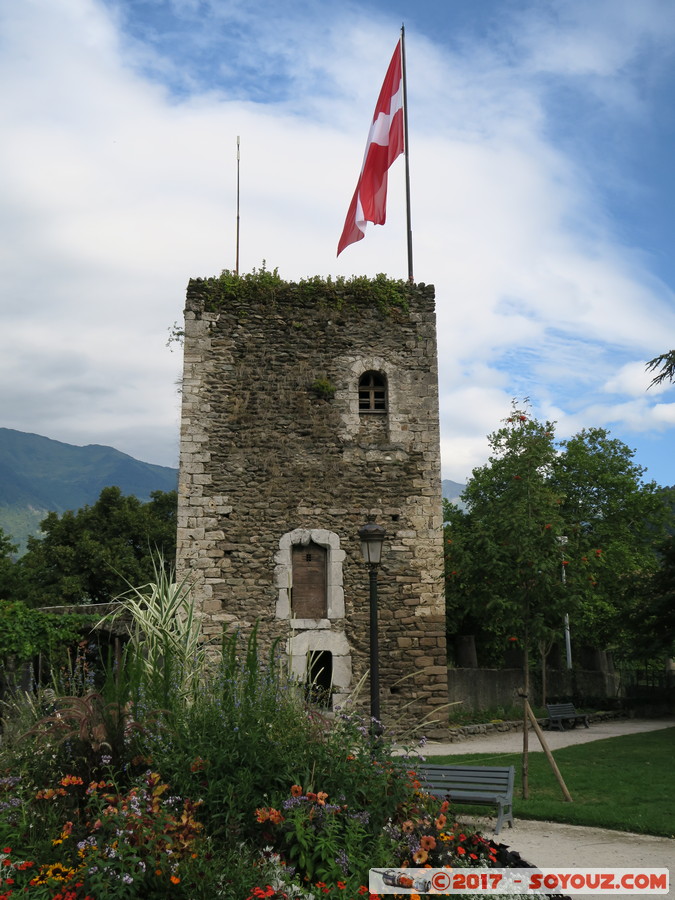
(452, 491)
(39, 475)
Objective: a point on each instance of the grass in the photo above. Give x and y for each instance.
(623, 783)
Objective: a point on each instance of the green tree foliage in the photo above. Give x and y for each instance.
(612, 513)
(664, 366)
(7, 549)
(94, 554)
(506, 558)
(652, 621)
(551, 529)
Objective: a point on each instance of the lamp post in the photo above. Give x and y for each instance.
(372, 537)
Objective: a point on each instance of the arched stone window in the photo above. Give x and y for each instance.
(373, 393)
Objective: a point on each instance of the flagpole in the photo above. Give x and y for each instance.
(236, 266)
(407, 158)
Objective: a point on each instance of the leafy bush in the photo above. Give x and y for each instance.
(173, 778)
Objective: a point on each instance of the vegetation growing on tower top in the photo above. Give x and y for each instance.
(387, 294)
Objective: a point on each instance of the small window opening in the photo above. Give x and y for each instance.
(373, 393)
(319, 677)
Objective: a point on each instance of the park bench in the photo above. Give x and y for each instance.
(561, 713)
(472, 785)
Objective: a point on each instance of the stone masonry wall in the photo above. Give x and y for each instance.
(267, 462)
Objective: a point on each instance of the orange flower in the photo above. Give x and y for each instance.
(275, 816)
(311, 796)
(71, 779)
(445, 806)
(407, 827)
(428, 842)
(321, 797)
(440, 821)
(420, 856)
(174, 879)
(262, 815)
(296, 791)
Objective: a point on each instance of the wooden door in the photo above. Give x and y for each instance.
(308, 598)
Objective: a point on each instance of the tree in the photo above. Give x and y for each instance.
(505, 556)
(540, 509)
(96, 553)
(666, 363)
(653, 622)
(7, 549)
(613, 515)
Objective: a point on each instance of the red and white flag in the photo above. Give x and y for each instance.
(384, 144)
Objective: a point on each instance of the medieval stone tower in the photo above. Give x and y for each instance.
(307, 409)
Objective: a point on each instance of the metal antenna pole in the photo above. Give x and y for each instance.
(236, 265)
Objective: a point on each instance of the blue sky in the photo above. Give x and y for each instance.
(541, 142)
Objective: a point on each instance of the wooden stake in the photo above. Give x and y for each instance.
(545, 748)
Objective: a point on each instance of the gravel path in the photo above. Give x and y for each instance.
(550, 845)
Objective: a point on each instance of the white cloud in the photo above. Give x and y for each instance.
(116, 191)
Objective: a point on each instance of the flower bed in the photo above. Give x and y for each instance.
(185, 781)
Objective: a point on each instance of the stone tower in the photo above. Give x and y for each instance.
(307, 409)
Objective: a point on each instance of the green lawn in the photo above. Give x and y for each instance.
(624, 783)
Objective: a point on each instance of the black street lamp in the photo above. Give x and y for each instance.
(372, 537)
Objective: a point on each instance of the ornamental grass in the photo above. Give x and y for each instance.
(173, 777)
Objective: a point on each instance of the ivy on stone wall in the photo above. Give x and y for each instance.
(387, 294)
